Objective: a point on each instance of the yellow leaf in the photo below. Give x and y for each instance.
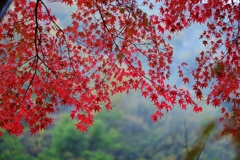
(17, 28)
(119, 56)
(122, 10)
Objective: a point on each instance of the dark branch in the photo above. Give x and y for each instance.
(4, 4)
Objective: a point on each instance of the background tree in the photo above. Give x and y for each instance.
(101, 53)
(127, 132)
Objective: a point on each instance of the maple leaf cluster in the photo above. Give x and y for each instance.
(44, 66)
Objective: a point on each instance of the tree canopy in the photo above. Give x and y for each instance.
(102, 52)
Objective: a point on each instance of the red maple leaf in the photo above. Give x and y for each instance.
(185, 80)
(68, 2)
(197, 109)
(154, 117)
(144, 94)
(154, 97)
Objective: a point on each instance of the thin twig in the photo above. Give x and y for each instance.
(186, 136)
(36, 50)
(203, 146)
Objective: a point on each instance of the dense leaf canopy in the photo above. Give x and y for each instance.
(101, 53)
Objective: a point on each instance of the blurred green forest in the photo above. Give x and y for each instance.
(126, 133)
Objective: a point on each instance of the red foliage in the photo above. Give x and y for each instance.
(98, 55)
